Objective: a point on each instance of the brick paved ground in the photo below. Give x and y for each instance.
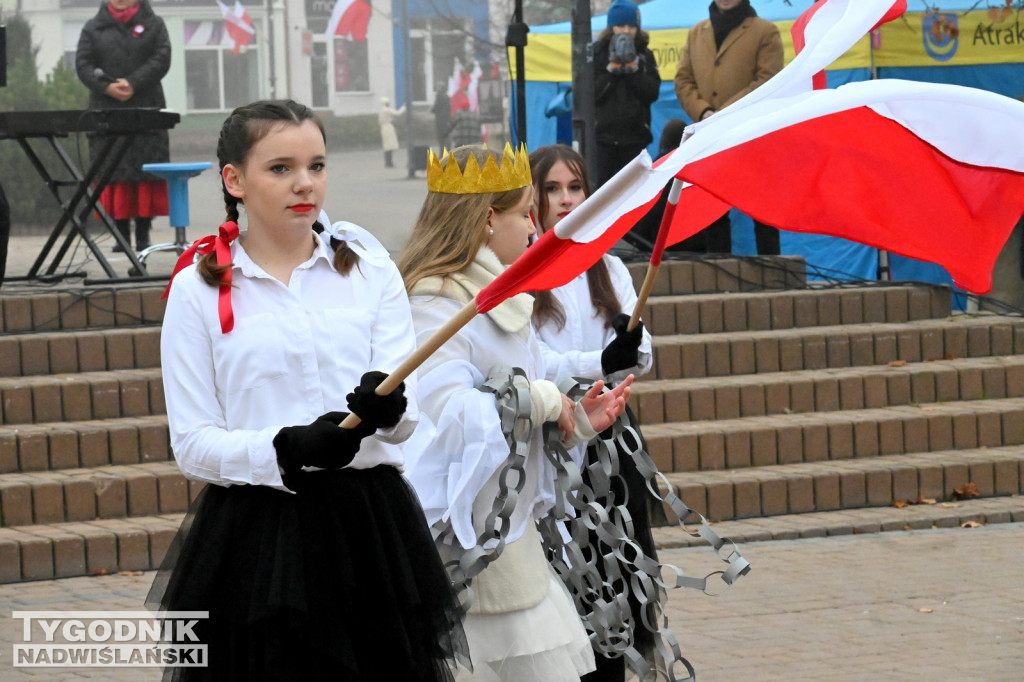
(943, 604)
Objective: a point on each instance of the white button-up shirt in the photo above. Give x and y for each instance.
(295, 352)
(575, 349)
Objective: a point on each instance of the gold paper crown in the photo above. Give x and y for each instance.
(513, 173)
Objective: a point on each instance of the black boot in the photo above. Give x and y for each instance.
(387, 160)
(142, 226)
(125, 228)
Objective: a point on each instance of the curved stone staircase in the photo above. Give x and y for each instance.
(776, 409)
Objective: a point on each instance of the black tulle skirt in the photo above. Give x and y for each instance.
(340, 581)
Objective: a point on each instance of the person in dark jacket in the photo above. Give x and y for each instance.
(123, 52)
(626, 83)
(442, 111)
(645, 232)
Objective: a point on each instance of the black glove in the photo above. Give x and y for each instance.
(321, 444)
(378, 411)
(623, 351)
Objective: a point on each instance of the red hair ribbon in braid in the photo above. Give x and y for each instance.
(220, 245)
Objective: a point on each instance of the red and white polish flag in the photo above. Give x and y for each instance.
(810, 28)
(577, 241)
(350, 18)
(932, 172)
(929, 171)
(238, 24)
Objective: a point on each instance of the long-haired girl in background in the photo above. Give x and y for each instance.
(581, 327)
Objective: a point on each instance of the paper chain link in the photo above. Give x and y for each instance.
(602, 603)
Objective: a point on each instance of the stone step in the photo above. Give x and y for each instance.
(962, 513)
(107, 546)
(704, 273)
(89, 308)
(830, 436)
(758, 352)
(89, 350)
(812, 307)
(109, 492)
(83, 444)
(826, 390)
(99, 547)
(768, 491)
(81, 396)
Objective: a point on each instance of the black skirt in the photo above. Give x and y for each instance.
(339, 581)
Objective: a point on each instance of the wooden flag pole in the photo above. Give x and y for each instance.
(645, 292)
(418, 356)
(656, 253)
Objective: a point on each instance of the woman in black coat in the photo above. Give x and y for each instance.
(123, 52)
(626, 83)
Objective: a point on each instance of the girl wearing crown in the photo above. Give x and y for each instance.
(307, 547)
(581, 327)
(481, 472)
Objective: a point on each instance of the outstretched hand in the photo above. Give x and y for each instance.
(604, 408)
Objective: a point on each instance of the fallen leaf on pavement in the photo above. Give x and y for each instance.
(970, 524)
(969, 489)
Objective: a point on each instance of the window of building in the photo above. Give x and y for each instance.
(216, 79)
(318, 67)
(351, 66)
(418, 65)
(449, 43)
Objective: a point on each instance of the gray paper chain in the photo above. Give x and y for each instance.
(603, 603)
(512, 399)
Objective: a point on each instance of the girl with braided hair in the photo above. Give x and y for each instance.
(306, 546)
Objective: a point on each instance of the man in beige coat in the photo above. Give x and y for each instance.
(725, 57)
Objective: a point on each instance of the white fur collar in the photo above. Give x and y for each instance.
(512, 315)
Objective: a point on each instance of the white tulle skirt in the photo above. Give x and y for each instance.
(544, 643)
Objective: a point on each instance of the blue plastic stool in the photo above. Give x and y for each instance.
(177, 176)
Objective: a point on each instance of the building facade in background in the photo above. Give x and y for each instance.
(288, 51)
